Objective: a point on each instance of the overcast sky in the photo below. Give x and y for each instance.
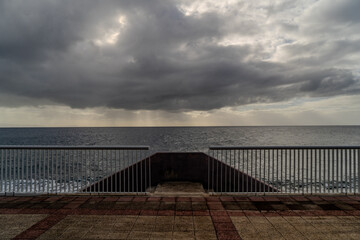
(180, 62)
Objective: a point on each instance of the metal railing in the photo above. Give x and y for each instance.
(73, 169)
(286, 169)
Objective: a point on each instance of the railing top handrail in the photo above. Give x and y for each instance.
(280, 147)
(90, 147)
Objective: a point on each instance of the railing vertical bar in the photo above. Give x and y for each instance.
(69, 151)
(213, 170)
(2, 169)
(251, 170)
(358, 173)
(209, 170)
(311, 169)
(118, 172)
(124, 167)
(294, 169)
(7, 177)
(48, 173)
(342, 169)
(137, 170)
(84, 172)
(346, 170)
(225, 169)
(150, 171)
(128, 169)
(273, 168)
(351, 177)
(298, 171)
(13, 168)
(243, 170)
(256, 173)
(27, 170)
(265, 179)
(324, 169)
(21, 173)
(113, 170)
(219, 180)
(277, 169)
(247, 170)
(328, 169)
(317, 169)
(238, 169)
(234, 172)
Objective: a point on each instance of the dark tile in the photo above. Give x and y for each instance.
(247, 206)
(199, 206)
(167, 206)
(228, 235)
(328, 207)
(263, 206)
(295, 206)
(221, 219)
(279, 207)
(183, 206)
(224, 226)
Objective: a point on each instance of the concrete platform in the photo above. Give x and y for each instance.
(181, 189)
(175, 217)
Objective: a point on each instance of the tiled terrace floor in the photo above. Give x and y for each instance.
(98, 217)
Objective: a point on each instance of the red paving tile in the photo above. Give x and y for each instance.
(183, 213)
(10, 211)
(257, 199)
(212, 199)
(227, 199)
(40, 227)
(236, 213)
(271, 214)
(287, 213)
(183, 199)
(271, 199)
(220, 219)
(228, 235)
(300, 199)
(252, 213)
(224, 226)
(218, 213)
(198, 199)
(166, 213)
(148, 212)
(241, 199)
(125, 199)
(154, 199)
(201, 213)
(139, 199)
(111, 199)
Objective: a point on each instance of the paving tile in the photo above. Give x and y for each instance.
(205, 235)
(198, 206)
(228, 235)
(13, 225)
(166, 213)
(221, 226)
(198, 199)
(161, 235)
(221, 219)
(179, 235)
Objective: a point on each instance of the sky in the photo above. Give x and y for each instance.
(179, 63)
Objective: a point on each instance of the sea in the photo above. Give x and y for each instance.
(165, 139)
(185, 138)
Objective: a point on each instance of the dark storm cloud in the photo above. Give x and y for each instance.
(68, 53)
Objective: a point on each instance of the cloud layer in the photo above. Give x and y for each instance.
(176, 55)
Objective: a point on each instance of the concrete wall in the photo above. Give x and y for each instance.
(193, 167)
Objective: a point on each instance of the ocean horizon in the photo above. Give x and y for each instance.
(184, 138)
